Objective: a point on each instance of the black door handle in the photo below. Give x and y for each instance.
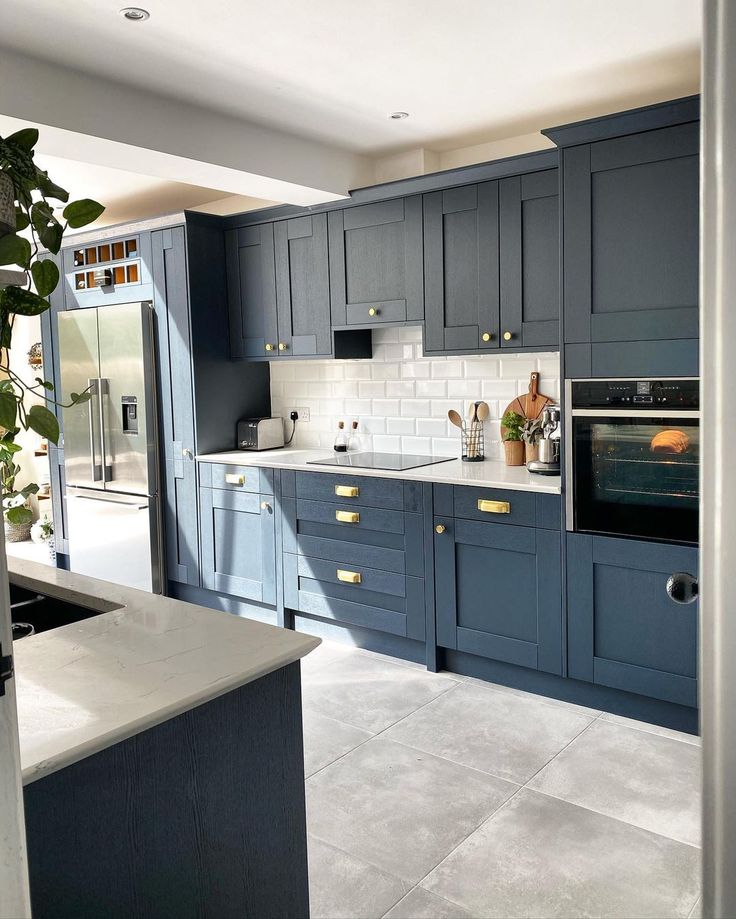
(682, 587)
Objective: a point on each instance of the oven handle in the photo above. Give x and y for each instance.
(683, 413)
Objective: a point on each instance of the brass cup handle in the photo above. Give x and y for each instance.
(348, 577)
(440, 528)
(494, 507)
(374, 312)
(347, 491)
(347, 516)
(507, 336)
(232, 479)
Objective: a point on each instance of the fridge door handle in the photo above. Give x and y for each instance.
(103, 389)
(95, 467)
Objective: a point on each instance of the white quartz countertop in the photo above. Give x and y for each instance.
(142, 660)
(488, 474)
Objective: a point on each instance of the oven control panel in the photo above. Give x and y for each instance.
(636, 394)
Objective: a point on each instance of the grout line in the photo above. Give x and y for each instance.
(424, 889)
(553, 758)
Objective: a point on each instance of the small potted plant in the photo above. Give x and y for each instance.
(16, 513)
(42, 533)
(531, 434)
(513, 445)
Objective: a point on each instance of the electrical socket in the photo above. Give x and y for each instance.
(303, 413)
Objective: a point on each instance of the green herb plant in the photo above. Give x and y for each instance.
(514, 424)
(37, 203)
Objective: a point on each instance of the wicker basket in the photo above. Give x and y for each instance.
(17, 532)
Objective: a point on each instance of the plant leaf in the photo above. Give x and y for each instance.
(18, 515)
(45, 383)
(14, 250)
(22, 220)
(43, 422)
(47, 226)
(15, 299)
(8, 409)
(80, 213)
(27, 138)
(79, 398)
(45, 276)
(49, 189)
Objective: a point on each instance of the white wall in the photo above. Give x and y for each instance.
(401, 398)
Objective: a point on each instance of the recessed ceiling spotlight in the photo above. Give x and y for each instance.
(135, 13)
(398, 116)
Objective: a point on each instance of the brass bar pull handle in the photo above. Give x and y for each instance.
(494, 507)
(348, 577)
(232, 479)
(347, 491)
(347, 516)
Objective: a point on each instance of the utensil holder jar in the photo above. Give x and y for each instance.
(473, 442)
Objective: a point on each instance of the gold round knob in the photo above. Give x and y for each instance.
(282, 346)
(440, 528)
(486, 336)
(373, 311)
(265, 506)
(269, 346)
(507, 336)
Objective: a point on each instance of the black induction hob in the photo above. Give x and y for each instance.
(392, 461)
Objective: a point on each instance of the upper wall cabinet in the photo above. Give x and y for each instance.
(491, 265)
(303, 286)
(461, 269)
(376, 263)
(251, 286)
(630, 243)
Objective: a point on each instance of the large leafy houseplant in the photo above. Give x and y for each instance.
(37, 204)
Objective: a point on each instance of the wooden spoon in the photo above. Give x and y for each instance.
(482, 411)
(455, 418)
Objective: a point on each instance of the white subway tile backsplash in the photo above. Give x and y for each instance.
(401, 398)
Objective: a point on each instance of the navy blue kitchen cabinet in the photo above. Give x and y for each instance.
(376, 263)
(238, 532)
(630, 242)
(354, 551)
(624, 631)
(491, 265)
(251, 288)
(498, 581)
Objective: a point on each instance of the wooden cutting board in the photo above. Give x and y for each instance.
(532, 404)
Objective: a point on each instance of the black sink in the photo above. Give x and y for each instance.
(32, 613)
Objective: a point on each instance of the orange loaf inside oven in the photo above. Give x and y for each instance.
(673, 441)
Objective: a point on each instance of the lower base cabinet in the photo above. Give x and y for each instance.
(498, 591)
(238, 538)
(624, 631)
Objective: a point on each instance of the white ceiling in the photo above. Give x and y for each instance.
(467, 71)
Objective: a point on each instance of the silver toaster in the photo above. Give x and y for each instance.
(260, 433)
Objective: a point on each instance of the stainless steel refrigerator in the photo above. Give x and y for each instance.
(111, 444)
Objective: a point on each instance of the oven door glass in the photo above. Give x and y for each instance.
(637, 477)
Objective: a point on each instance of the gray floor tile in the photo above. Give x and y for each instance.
(653, 729)
(341, 885)
(523, 694)
(397, 808)
(697, 910)
(421, 904)
(367, 692)
(326, 739)
(324, 654)
(538, 856)
(642, 778)
(506, 735)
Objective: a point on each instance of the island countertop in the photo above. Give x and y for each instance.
(487, 474)
(142, 660)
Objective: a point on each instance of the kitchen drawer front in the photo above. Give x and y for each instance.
(386, 311)
(351, 517)
(495, 505)
(367, 542)
(351, 489)
(236, 478)
(380, 600)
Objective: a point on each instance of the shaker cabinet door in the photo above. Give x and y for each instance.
(303, 286)
(624, 630)
(376, 263)
(461, 269)
(498, 592)
(530, 260)
(251, 285)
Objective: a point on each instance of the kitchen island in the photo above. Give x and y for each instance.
(161, 751)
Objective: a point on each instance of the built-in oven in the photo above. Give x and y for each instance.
(632, 456)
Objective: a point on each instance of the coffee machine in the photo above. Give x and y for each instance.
(548, 462)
